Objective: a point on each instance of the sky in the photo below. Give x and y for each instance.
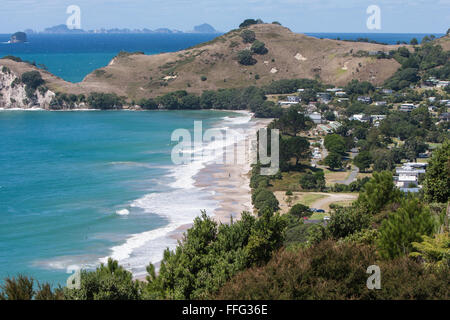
(396, 16)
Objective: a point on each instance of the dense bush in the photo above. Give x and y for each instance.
(210, 254)
(148, 104)
(313, 181)
(336, 271)
(23, 288)
(403, 227)
(245, 57)
(248, 22)
(299, 210)
(104, 101)
(437, 178)
(107, 282)
(248, 36)
(259, 47)
(32, 81)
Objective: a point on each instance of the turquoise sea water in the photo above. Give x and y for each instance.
(79, 186)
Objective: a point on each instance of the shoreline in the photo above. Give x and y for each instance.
(229, 185)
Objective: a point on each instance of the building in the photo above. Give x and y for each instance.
(334, 90)
(328, 128)
(324, 97)
(407, 107)
(340, 94)
(407, 178)
(365, 99)
(442, 84)
(444, 116)
(316, 118)
(380, 103)
(387, 91)
(295, 99)
(376, 119)
(360, 118)
(291, 100)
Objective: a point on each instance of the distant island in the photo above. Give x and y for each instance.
(63, 29)
(205, 28)
(18, 37)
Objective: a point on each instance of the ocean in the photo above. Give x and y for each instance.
(77, 187)
(72, 57)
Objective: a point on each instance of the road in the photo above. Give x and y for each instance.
(330, 198)
(351, 177)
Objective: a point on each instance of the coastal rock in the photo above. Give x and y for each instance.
(13, 94)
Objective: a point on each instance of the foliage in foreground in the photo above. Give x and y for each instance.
(23, 288)
(336, 271)
(210, 254)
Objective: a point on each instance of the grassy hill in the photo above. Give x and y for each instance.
(213, 65)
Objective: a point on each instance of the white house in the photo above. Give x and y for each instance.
(442, 84)
(359, 117)
(407, 178)
(340, 94)
(316, 117)
(407, 107)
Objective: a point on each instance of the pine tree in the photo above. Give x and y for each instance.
(379, 192)
(408, 224)
(437, 178)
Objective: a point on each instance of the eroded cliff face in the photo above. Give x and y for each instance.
(13, 93)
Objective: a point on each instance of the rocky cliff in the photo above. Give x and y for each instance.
(13, 93)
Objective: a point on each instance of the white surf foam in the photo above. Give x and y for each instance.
(123, 212)
(179, 206)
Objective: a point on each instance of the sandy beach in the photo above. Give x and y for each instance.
(230, 183)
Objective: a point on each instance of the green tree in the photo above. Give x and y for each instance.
(346, 221)
(266, 200)
(22, 288)
(333, 161)
(248, 36)
(298, 147)
(245, 58)
(311, 181)
(148, 104)
(379, 192)
(33, 79)
(363, 160)
(434, 250)
(293, 121)
(414, 42)
(403, 227)
(107, 282)
(259, 47)
(437, 177)
(299, 210)
(248, 22)
(335, 143)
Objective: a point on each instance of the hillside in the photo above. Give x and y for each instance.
(290, 55)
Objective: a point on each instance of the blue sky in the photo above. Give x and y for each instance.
(403, 16)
